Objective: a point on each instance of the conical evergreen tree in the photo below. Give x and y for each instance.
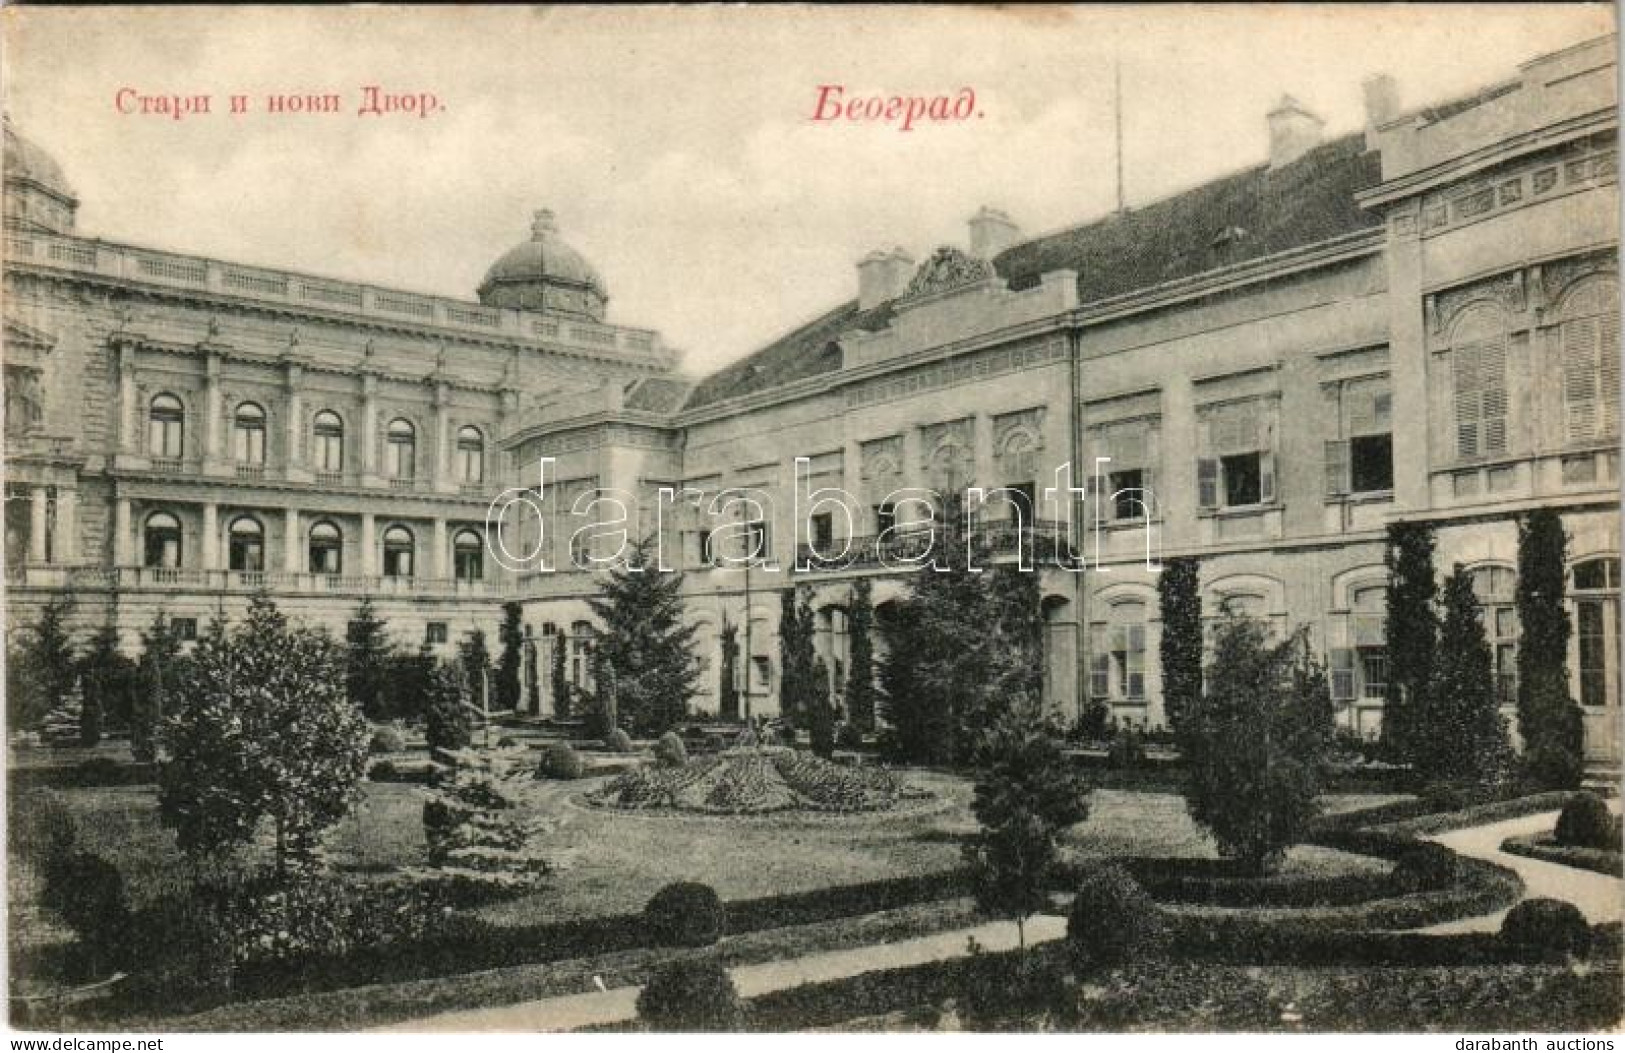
(158, 672)
(860, 674)
(512, 637)
(42, 666)
(1550, 721)
(796, 656)
(1462, 737)
(728, 687)
(1180, 605)
(366, 667)
(643, 647)
(1412, 634)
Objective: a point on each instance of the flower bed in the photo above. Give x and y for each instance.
(753, 781)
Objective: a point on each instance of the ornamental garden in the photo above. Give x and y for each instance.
(274, 829)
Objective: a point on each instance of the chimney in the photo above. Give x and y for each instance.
(883, 275)
(1381, 100)
(1294, 131)
(991, 232)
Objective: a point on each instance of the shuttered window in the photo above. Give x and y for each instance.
(1588, 345)
(1236, 462)
(1479, 375)
(1360, 458)
(1126, 483)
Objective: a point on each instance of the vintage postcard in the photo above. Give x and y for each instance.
(775, 519)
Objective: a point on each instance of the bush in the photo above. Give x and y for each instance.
(38, 826)
(559, 761)
(694, 994)
(670, 751)
(1423, 868)
(508, 742)
(1546, 928)
(181, 944)
(87, 892)
(98, 771)
(1586, 822)
(1127, 750)
(848, 736)
(387, 740)
(684, 914)
(1112, 921)
(618, 741)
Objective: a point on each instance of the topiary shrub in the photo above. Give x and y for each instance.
(1112, 921)
(684, 914)
(559, 761)
(1586, 822)
(1549, 929)
(1424, 867)
(618, 741)
(670, 751)
(383, 771)
(695, 994)
(508, 742)
(387, 740)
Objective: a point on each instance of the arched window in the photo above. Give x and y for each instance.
(1496, 589)
(247, 545)
(468, 556)
(470, 455)
(398, 550)
(162, 537)
(328, 442)
(326, 548)
(402, 450)
(248, 434)
(1369, 606)
(166, 425)
(1587, 343)
(1478, 372)
(1596, 615)
(1117, 653)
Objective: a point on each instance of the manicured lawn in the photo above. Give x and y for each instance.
(613, 862)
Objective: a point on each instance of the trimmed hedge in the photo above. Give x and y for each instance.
(559, 761)
(1546, 849)
(1586, 822)
(692, 994)
(91, 773)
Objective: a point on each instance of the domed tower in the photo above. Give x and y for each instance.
(545, 274)
(37, 195)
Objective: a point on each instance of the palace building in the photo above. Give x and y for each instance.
(1418, 321)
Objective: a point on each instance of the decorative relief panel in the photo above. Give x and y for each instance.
(882, 457)
(1024, 427)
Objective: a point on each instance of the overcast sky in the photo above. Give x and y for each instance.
(676, 145)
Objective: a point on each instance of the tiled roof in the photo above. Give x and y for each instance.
(1254, 213)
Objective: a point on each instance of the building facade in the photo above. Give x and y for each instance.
(1414, 322)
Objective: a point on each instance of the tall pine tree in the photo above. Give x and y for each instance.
(1180, 608)
(860, 674)
(41, 667)
(366, 667)
(1550, 721)
(108, 678)
(157, 674)
(796, 656)
(1412, 633)
(728, 687)
(1463, 738)
(643, 649)
(512, 637)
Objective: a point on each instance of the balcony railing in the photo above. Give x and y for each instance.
(196, 579)
(1046, 540)
(168, 269)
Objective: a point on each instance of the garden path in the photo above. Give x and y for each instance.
(620, 1004)
(1600, 898)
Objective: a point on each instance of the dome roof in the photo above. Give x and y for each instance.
(544, 258)
(26, 162)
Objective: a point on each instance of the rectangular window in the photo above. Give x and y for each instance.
(757, 542)
(1236, 468)
(1342, 673)
(885, 518)
(1360, 460)
(1129, 499)
(1592, 637)
(708, 557)
(1100, 664)
(1371, 463)
(435, 633)
(1128, 662)
(1021, 497)
(184, 628)
(823, 531)
(1242, 479)
(1373, 672)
